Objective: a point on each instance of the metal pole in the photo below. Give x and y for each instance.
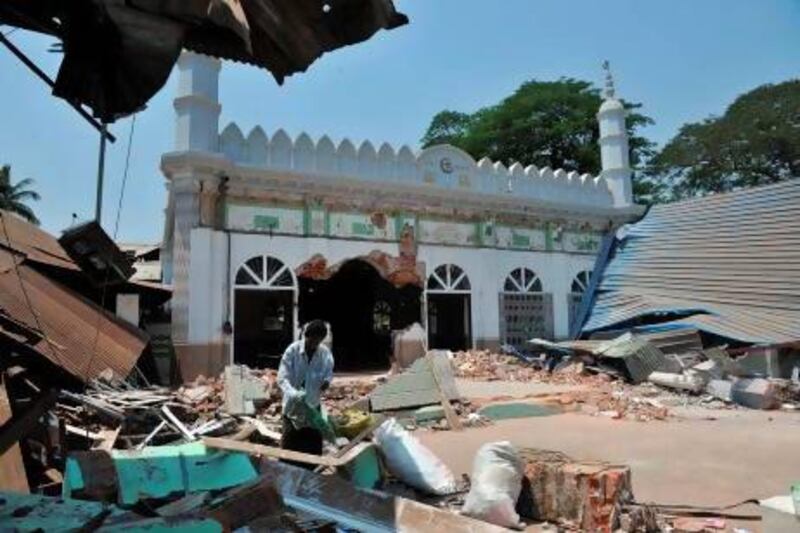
(45, 78)
(101, 165)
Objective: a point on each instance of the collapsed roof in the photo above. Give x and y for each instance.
(117, 54)
(49, 318)
(728, 265)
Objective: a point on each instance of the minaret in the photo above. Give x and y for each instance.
(197, 106)
(614, 150)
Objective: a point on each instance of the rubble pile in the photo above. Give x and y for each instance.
(490, 366)
(140, 416)
(341, 396)
(486, 365)
(629, 377)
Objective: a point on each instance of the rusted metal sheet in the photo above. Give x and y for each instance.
(119, 54)
(75, 334)
(727, 264)
(32, 242)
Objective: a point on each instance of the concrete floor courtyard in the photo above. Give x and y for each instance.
(698, 457)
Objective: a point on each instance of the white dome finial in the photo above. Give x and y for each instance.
(609, 91)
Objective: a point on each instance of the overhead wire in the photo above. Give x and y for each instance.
(114, 237)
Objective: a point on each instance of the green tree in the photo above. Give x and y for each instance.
(13, 197)
(544, 123)
(756, 141)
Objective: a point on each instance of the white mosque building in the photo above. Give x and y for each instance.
(265, 232)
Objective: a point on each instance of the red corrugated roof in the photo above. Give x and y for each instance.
(77, 335)
(33, 242)
(70, 323)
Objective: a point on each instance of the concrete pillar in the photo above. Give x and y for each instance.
(186, 194)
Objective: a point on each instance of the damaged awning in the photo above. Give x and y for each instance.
(727, 265)
(117, 55)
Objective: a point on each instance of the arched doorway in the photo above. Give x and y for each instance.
(263, 311)
(449, 308)
(363, 309)
(526, 311)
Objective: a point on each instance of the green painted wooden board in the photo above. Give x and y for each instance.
(160, 471)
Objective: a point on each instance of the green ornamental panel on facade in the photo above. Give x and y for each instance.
(315, 220)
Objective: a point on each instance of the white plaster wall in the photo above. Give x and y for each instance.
(207, 286)
(486, 268)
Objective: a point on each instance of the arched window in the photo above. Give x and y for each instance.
(522, 280)
(581, 282)
(264, 272)
(448, 278)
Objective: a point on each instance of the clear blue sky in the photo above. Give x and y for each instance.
(683, 59)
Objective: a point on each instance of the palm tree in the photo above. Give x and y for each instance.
(14, 196)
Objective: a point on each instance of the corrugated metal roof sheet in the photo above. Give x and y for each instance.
(33, 242)
(69, 324)
(727, 264)
(117, 55)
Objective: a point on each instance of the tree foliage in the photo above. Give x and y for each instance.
(756, 141)
(547, 124)
(13, 196)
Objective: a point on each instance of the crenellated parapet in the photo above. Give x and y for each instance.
(440, 166)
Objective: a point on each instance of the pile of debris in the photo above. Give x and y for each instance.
(111, 413)
(344, 395)
(639, 376)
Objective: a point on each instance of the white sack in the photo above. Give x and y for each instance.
(496, 484)
(411, 462)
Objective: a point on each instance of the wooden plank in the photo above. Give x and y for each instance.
(12, 469)
(452, 418)
(18, 426)
(353, 443)
(286, 455)
(108, 437)
(444, 373)
(82, 432)
(243, 433)
(173, 420)
(262, 428)
(152, 434)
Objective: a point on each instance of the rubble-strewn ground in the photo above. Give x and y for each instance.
(591, 394)
(700, 462)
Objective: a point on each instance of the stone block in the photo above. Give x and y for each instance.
(587, 494)
(721, 389)
(756, 393)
